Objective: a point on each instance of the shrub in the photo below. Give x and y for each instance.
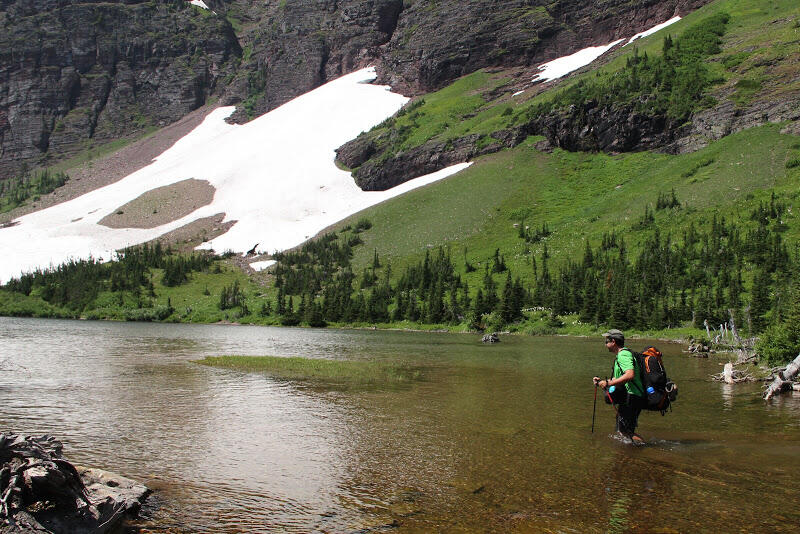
(362, 224)
(776, 346)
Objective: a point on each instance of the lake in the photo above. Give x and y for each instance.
(493, 438)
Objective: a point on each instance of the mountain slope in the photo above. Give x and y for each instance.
(73, 74)
(77, 74)
(722, 78)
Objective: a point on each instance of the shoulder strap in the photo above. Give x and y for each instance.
(636, 364)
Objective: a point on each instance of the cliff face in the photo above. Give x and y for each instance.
(292, 47)
(418, 46)
(73, 72)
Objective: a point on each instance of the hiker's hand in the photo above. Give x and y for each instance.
(597, 381)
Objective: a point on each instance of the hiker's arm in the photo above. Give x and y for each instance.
(627, 376)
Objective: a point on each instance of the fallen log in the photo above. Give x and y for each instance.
(783, 379)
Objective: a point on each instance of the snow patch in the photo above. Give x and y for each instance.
(274, 175)
(199, 3)
(564, 65)
(261, 265)
(653, 30)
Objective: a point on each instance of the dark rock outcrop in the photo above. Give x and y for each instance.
(593, 128)
(295, 46)
(74, 73)
(40, 491)
(382, 174)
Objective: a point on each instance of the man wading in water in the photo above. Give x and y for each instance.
(625, 388)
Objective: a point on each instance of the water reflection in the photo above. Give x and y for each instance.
(495, 438)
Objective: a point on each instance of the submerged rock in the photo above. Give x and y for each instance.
(40, 491)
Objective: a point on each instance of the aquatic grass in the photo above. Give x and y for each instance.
(351, 372)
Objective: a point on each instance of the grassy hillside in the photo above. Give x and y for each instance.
(580, 197)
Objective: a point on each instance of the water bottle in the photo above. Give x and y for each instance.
(651, 390)
(611, 389)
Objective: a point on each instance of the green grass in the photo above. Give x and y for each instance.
(347, 372)
(580, 196)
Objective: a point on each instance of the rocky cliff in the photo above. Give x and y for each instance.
(74, 73)
(418, 45)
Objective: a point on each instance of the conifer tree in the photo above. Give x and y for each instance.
(760, 302)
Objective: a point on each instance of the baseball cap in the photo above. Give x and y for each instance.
(614, 334)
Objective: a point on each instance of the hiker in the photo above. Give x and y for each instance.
(625, 387)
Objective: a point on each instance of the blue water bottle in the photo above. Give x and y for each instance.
(650, 390)
(611, 389)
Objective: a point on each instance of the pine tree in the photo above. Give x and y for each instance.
(507, 312)
(760, 302)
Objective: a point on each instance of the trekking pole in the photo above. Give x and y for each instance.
(594, 407)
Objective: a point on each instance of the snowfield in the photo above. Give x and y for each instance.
(654, 29)
(274, 175)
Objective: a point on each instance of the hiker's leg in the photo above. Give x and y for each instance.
(626, 421)
(636, 409)
(628, 415)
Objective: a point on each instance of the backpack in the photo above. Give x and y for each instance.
(660, 390)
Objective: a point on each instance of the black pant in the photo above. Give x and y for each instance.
(628, 414)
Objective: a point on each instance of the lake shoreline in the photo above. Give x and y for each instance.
(683, 336)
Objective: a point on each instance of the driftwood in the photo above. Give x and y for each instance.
(40, 491)
(491, 338)
(731, 375)
(783, 379)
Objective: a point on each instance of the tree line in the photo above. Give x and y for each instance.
(16, 190)
(708, 274)
(75, 284)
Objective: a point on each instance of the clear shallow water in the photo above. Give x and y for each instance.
(495, 438)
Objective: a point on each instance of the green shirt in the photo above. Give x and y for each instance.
(624, 362)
